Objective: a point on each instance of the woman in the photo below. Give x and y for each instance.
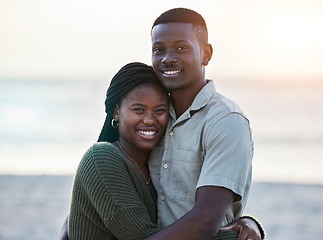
(113, 197)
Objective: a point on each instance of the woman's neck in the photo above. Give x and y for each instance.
(137, 158)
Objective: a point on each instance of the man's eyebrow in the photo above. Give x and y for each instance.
(157, 43)
(177, 41)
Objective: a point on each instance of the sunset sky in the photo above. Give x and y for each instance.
(268, 40)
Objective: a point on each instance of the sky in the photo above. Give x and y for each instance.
(268, 40)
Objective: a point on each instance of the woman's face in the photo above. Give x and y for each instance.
(143, 117)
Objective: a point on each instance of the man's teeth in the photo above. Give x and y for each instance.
(172, 72)
(147, 133)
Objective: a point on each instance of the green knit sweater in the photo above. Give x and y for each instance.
(111, 201)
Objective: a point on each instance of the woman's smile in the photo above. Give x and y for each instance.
(143, 117)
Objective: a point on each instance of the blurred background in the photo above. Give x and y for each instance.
(56, 62)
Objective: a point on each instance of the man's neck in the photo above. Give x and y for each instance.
(183, 99)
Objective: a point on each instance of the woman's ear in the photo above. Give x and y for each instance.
(207, 53)
(116, 113)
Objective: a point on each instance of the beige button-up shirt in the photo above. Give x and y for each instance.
(208, 145)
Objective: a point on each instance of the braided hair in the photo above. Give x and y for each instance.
(128, 77)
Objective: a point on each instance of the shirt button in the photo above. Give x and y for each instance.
(162, 198)
(171, 133)
(165, 165)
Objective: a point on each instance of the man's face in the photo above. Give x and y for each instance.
(177, 57)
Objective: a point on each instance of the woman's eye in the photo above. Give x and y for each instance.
(138, 109)
(161, 110)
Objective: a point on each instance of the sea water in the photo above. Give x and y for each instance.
(47, 124)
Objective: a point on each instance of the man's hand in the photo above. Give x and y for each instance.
(247, 228)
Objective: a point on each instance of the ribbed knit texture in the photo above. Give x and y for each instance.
(111, 201)
(226, 235)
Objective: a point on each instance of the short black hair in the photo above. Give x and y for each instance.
(127, 78)
(185, 15)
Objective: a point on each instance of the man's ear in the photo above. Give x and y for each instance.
(116, 113)
(207, 53)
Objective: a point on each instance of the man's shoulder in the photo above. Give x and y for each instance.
(217, 100)
(227, 103)
(220, 105)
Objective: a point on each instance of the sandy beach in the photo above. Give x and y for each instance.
(34, 207)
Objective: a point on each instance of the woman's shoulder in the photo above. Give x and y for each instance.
(102, 154)
(104, 150)
(103, 146)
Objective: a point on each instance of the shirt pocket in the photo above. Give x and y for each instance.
(186, 168)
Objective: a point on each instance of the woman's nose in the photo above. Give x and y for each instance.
(149, 119)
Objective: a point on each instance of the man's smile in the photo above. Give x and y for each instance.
(171, 72)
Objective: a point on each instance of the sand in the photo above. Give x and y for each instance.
(34, 208)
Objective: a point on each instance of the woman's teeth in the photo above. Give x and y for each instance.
(147, 133)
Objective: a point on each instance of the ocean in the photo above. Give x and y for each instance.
(46, 125)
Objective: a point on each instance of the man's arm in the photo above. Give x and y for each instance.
(205, 218)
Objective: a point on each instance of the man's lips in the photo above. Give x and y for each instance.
(171, 72)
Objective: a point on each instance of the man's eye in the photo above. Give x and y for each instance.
(138, 109)
(181, 48)
(157, 50)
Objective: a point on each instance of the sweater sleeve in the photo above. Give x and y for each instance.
(110, 197)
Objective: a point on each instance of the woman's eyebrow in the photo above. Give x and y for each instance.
(138, 104)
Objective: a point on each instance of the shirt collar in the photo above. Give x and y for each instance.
(203, 97)
(200, 101)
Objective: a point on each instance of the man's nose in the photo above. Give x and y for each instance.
(169, 57)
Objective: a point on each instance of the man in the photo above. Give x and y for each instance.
(202, 168)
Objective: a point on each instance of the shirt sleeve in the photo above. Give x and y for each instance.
(228, 151)
(111, 191)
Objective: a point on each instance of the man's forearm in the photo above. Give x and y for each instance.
(205, 218)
